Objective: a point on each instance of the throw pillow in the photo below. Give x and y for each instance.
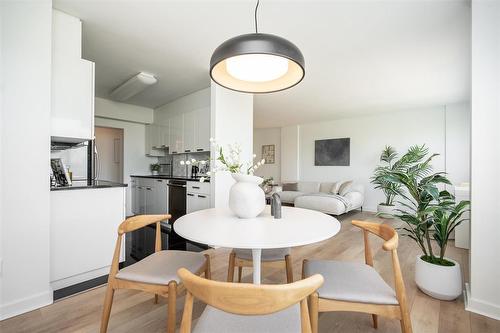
(335, 188)
(290, 187)
(345, 187)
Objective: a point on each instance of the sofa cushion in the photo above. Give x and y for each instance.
(289, 196)
(344, 188)
(326, 187)
(323, 204)
(290, 187)
(308, 187)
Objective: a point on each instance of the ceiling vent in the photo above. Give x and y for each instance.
(133, 86)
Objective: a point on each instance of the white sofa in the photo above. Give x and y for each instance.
(318, 196)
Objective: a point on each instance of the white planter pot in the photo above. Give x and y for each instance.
(154, 173)
(246, 198)
(386, 211)
(441, 282)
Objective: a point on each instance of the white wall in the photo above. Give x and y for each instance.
(231, 122)
(132, 120)
(25, 121)
(484, 296)
(197, 100)
(458, 142)
(290, 153)
(104, 108)
(268, 136)
(370, 134)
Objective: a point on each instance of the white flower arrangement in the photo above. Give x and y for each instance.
(231, 161)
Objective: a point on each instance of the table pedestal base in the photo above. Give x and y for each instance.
(256, 265)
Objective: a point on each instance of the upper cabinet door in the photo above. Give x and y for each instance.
(153, 140)
(176, 134)
(72, 114)
(202, 130)
(189, 131)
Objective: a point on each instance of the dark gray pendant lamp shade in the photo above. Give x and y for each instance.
(257, 63)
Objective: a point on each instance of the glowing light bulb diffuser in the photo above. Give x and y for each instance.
(257, 67)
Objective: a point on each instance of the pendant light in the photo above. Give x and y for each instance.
(257, 63)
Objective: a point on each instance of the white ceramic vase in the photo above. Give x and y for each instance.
(246, 198)
(441, 282)
(386, 211)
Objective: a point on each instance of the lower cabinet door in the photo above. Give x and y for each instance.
(196, 202)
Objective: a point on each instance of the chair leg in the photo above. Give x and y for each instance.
(230, 269)
(156, 299)
(240, 271)
(208, 273)
(289, 269)
(172, 299)
(313, 309)
(405, 320)
(375, 321)
(106, 311)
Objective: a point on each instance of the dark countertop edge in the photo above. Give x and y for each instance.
(87, 187)
(207, 180)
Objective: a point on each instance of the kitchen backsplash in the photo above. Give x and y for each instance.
(183, 170)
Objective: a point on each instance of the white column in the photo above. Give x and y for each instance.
(26, 49)
(290, 136)
(484, 293)
(232, 122)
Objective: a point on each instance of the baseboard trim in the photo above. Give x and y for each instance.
(27, 304)
(480, 307)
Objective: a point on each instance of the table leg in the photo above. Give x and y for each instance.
(256, 265)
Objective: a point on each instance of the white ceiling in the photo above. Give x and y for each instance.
(362, 57)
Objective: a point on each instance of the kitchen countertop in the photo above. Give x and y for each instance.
(82, 184)
(197, 179)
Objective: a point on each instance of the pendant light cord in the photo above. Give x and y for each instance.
(256, 7)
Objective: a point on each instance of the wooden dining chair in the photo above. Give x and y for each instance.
(270, 258)
(245, 307)
(157, 273)
(358, 287)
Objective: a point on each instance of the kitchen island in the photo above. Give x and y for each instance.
(83, 232)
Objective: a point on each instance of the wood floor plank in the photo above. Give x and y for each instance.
(135, 311)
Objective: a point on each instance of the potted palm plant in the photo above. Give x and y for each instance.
(390, 189)
(430, 214)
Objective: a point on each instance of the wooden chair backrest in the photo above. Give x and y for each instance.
(390, 236)
(383, 231)
(132, 224)
(246, 298)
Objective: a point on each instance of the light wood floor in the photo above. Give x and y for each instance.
(135, 311)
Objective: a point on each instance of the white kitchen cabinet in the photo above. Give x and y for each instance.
(83, 232)
(195, 201)
(176, 134)
(189, 131)
(160, 197)
(149, 196)
(165, 135)
(72, 110)
(197, 197)
(154, 140)
(202, 130)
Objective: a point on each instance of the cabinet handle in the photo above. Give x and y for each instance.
(191, 195)
(174, 152)
(148, 188)
(159, 180)
(187, 150)
(199, 149)
(195, 187)
(202, 196)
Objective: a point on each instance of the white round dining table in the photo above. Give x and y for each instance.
(220, 227)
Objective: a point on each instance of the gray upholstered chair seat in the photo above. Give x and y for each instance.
(213, 320)
(352, 282)
(161, 267)
(267, 254)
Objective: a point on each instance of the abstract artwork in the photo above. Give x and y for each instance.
(268, 153)
(332, 152)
